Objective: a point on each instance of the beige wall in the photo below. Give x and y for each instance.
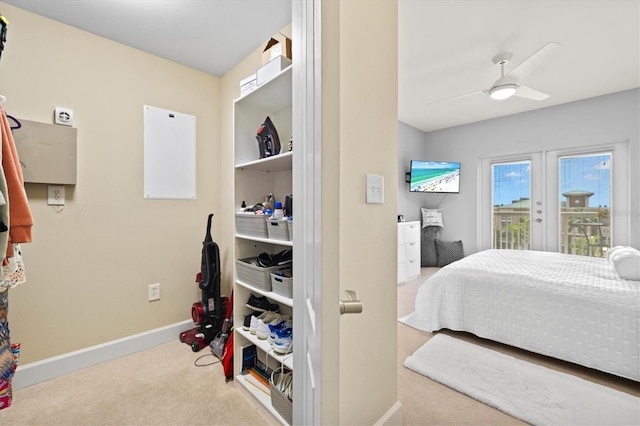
(359, 136)
(91, 261)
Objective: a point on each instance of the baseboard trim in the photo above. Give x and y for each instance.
(50, 368)
(393, 416)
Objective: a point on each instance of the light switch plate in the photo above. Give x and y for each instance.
(375, 189)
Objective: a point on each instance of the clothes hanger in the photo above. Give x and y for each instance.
(16, 121)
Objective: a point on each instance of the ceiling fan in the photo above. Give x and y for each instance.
(510, 84)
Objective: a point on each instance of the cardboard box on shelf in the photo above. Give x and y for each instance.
(273, 68)
(278, 45)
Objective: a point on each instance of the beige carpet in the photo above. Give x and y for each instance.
(162, 386)
(159, 386)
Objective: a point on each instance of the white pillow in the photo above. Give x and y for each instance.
(432, 217)
(626, 262)
(616, 249)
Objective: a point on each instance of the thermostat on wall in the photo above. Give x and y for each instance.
(64, 116)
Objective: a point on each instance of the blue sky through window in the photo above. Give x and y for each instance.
(512, 181)
(587, 173)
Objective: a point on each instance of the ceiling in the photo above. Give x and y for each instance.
(445, 46)
(445, 49)
(208, 35)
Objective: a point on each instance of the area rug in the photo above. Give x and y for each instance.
(527, 391)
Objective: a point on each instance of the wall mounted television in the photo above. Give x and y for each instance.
(434, 176)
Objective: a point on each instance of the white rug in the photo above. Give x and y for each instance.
(530, 392)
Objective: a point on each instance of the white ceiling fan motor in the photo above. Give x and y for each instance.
(502, 90)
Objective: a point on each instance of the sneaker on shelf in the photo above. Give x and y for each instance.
(246, 325)
(265, 316)
(273, 328)
(263, 329)
(261, 304)
(283, 343)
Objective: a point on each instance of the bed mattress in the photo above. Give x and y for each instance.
(569, 307)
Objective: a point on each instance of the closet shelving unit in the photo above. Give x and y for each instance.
(254, 179)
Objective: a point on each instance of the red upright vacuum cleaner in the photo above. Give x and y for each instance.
(209, 313)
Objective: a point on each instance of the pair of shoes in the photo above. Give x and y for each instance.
(283, 343)
(281, 337)
(264, 316)
(261, 304)
(278, 327)
(246, 325)
(263, 329)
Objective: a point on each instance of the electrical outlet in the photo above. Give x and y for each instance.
(154, 292)
(55, 195)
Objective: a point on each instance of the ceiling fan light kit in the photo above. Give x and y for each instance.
(511, 83)
(503, 92)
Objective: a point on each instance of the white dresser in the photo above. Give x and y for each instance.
(408, 251)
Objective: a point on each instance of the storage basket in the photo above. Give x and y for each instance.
(278, 229)
(250, 273)
(279, 400)
(250, 224)
(290, 228)
(282, 284)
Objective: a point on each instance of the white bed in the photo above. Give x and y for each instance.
(573, 308)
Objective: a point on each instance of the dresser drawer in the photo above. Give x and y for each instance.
(412, 251)
(412, 233)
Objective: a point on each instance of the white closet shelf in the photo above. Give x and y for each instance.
(287, 359)
(266, 240)
(275, 163)
(274, 94)
(269, 294)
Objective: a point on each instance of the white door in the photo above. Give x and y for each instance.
(355, 249)
(512, 202)
(600, 218)
(307, 364)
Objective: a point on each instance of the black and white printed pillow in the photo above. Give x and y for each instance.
(448, 252)
(432, 217)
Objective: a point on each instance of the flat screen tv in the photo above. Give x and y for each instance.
(434, 176)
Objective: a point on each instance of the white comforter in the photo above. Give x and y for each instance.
(574, 308)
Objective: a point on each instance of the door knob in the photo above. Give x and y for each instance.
(538, 220)
(352, 305)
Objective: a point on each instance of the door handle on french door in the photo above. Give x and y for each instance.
(538, 220)
(351, 306)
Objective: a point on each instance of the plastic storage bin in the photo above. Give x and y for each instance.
(279, 401)
(278, 229)
(253, 225)
(255, 275)
(282, 284)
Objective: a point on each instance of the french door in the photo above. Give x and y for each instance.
(570, 201)
(511, 202)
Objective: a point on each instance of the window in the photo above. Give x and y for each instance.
(585, 204)
(511, 204)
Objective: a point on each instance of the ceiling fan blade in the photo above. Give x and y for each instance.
(521, 71)
(529, 93)
(477, 92)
